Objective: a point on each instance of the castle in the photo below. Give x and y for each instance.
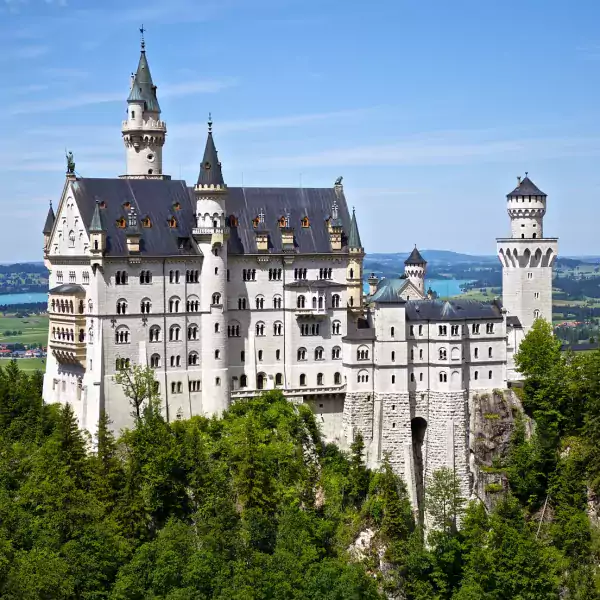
(228, 291)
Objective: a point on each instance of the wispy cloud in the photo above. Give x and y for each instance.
(80, 100)
(29, 51)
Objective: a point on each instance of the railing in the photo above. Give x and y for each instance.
(314, 312)
(210, 230)
(145, 125)
(294, 391)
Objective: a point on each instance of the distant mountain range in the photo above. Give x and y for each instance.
(439, 257)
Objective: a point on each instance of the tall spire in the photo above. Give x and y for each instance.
(210, 170)
(143, 88)
(354, 237)
(97, 223)
(48, 226)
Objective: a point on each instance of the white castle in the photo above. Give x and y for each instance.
(225, 292)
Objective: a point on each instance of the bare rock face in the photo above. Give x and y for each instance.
(492, 424)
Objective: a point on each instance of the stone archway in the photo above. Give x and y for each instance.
(418, 427)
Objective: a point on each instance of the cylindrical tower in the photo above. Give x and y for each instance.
(211, 233)
(526, 206)
(415, 267)
(143, 131)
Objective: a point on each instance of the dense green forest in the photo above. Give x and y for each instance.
(255, 506)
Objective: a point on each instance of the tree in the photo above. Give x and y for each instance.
(444, 501)
(539, 351)
(358, 475)
(139, 386)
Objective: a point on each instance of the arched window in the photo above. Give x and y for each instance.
(260, 302)
(216, 298)
(301, 302)
(261, 381)
(145, 277)
(319, 378)
(217, 354)
(314, 302)
(121, 278)
(174, 304)
(243, 381)
(536, 314)
(122, 363)
(193, 359)
(336, 353)
(443, 354)
(393, 356)
(337, 378)
(490, 352)
(319, 353)
(71, 239)
(351, 301)
(362, 353)
(121, 306)
(145, 306)
(279, 379)
(278, 328)
(392, 331)
(301, 353)
(233, 329)
(155, 333)
(217, 327)
(155, 361)
(174, 333)
(351, 273)
(277, 302)
(192, 331)
(122, 335)
(490, 374)
(193, 304)
(443, 377)
(476, 375)
(335, 301)
(363, 377)
(242, 303)
(320, 302)
(260, 329)
(336, 328)
(302, 379)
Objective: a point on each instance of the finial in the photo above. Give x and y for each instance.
(526, 173)
(353, 210)
(210, 122)
(142, 31)
(50, 202)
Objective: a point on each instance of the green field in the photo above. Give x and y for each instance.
(34, 329)
(28, 365)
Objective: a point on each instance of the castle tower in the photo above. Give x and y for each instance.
(211, 233)
(354, 271)
(414, 270)
(527, 259)
(143, 131)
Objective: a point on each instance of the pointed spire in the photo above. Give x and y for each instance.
(49, 221)
(210, 169)
(97, 224)
(143, 88)
(526, 187)
(415, 258)
(354, 237)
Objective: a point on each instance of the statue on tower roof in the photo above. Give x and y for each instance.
(70, 163)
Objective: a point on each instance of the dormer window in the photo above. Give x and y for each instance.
(255, 222)
(146, 222)
(233, 222)
(127, 205)
(283, 222)
(121, 223)
(176, 206)
(172, 223)
(305, 222)
(102, 204)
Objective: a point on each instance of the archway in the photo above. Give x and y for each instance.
(418, 428)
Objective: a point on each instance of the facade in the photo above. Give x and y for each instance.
(228, 291)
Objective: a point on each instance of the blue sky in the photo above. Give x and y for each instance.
(429, 109)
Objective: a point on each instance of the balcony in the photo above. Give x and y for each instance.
(311, 312)
(70, 352)
(150, 124)
(216, 235)
(294, 393)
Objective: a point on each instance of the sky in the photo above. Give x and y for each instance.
(429, 109)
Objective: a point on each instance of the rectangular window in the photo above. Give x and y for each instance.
(443, 329)
(489, 328)
(72, 277)
(412, 330)
(420, 329)
(476, 328)
(536, 295)
(454, 330)
(242, 356)
(529, 275)
(59, 276)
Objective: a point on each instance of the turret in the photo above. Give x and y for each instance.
(48, 226)
(526, 206)
(355, 264)
(97, 237)
(414, 270)
(372, 281)
(143, 131)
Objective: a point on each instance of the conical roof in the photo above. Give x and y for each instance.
(210, 169)
(415, 258)
(526, 187)
(143, 88)
(97, 224)
(354, 237)
(48, 226)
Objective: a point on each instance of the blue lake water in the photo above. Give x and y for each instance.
(443, 287)
(25, 298)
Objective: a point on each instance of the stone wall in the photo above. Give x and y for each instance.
(358, 416)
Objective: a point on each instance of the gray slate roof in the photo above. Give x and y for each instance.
(354, 237)
(526, 188)
(388, 291)
(67, 288)
(210, 169)
(156, 199)
(97, 224)
(143, 88)
(415, 258)
(451, 310)
(49, 224)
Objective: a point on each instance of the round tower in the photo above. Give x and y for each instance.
(211, 233)
(526, 206)
(415, 267)
(143, 131)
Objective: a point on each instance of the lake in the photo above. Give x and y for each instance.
(443, 287)
(24, 298)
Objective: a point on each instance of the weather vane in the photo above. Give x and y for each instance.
(142, 31)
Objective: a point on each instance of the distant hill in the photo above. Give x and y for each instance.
(441, 257)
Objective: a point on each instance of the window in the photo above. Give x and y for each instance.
(249, 274)
(277, 354)
(174, 305)
(275, 274)
(194, 386)
(260, 329)
(412, 354)
(362, 353)
(71, 239)
(260, 302)
(243, 381)
(72, 277)
(489, 328)
(393, 379)
(242, 303)
(302, 379)
(145, 277)
(309, 329)
(529, 275)
(155, 333)
(155, 361)
(121, 278)
(299, 274)
(336, 328)
(301, 302)
(173, 276)
(122, 335)
(217, 354)
(536, 314)
(59, 276)
(216, 270)
(476, 375)
(86, 278)
(319, 353)
(233, 329)
(145, 306)
(454, 330)
(391, 331)
(277, 302)
(490, 352)
(278, 328)
(443, 354)
(336, 353)
(393, 356)
(305, 222)
(412, 377)
(175, 361)
(325, 273)
(475, 328)
(420, 376)
(242, 356)
(489, 375)
(362, 377)
(319, 378)
(421, 353)
(536, 295)
(335, 301)
(443, 377)
(121, 307)
(337, 378)
(442, 330)
(192, 276)
(301, 353)
(279, 379)
(192, 332)
(411, 330)
(192, 304)
(476, 353)
(260, 355)
(216, 299)
(122, 363)
(217, 381)
(215, 252)
(217, 327)
(420, 329)
(174, 333)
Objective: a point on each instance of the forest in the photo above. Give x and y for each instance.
(254, 505)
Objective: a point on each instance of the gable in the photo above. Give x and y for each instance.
(69, 235)
(410, 292)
